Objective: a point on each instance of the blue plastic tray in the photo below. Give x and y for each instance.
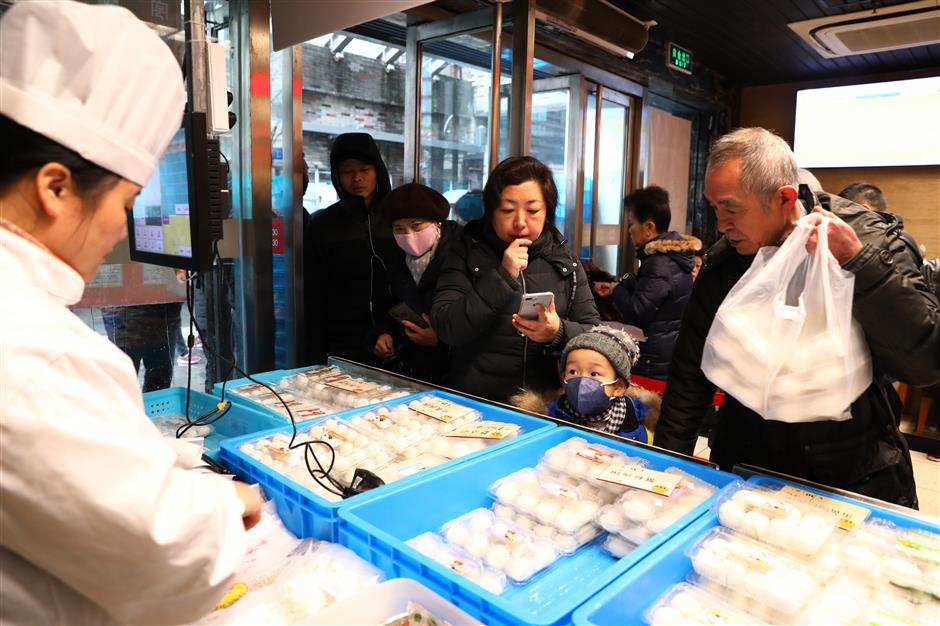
(238, 422)
(624, 601)
(308, 515)
(266, 377)
(377, 530)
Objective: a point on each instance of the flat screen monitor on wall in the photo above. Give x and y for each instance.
(875, 124)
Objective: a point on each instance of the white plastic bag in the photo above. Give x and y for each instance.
(783, 342)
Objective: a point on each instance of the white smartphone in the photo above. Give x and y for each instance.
(529, 300)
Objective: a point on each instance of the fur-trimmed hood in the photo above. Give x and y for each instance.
(536, 402)
(671, 246)
(686, 243)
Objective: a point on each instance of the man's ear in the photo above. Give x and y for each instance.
(785, 198)
(55, 189)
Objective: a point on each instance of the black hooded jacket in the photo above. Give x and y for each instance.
(656, 300)
(867, 453)
(476, 298)
(346, 252)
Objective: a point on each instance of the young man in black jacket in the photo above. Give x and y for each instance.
(346, 252)
(751, 181)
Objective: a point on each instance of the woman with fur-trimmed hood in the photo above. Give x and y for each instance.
(655, 299)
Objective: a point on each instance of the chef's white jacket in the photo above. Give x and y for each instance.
(99, 520)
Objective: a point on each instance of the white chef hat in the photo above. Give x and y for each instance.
(94, 79)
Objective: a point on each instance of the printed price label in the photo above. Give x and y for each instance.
(457, 564)
(439, 408)
(752, 559)
(348, 383)
(505, 534)
(334, 436)
(316, 373)
(308, 412)
(850, 515)
(638, 477)
(594, 455)
(380, 420)
(561, 491)
(486, 430)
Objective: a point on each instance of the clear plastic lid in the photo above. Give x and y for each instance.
(850, 599)
(579, 460)
(907, 558)
(339, 388)
(618, 547)
(652, 511)
(688, 604)
(500, 544)
(754, 569)
(547, 499)
(771, 517)
(455, 559)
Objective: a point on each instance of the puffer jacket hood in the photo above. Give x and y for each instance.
(362, 147)
(680, 248)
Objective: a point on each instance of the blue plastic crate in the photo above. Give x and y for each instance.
(238, 422)
(377, 530)
(624, 601)
(265, 377)
(308, 515)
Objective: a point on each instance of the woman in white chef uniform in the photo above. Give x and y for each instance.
(100, 520)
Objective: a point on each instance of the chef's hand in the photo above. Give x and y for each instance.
(844, 244)
(541, 330)
(421, 336)
(516, 257)
(252, 501)
(604, 289)
(384, 346)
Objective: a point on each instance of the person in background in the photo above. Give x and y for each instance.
(103, 520)
(418, 216)
(346, 251)
(149, 334)
(751, 181)
(873, 199)
(605, 305)
(513, 249)
(656, 298)
(697, 260)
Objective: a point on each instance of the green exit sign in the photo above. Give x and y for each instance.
(678, 58)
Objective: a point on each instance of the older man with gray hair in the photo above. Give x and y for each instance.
(751, 181)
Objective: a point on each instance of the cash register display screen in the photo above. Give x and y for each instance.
(161, 211)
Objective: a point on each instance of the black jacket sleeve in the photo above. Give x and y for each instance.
(892, 303)
(465, 308)
(582, 314)
(688, 393)
(639, 305)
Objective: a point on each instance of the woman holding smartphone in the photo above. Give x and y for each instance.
(418, 216)
(513, 250)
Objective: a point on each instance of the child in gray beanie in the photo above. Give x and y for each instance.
(596, 371)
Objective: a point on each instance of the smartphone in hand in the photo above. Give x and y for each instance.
(401, 312)
(527, 308)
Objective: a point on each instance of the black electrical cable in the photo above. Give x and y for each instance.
(335, 487)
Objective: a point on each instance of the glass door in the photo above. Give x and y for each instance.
(556, 141)
(605, 177)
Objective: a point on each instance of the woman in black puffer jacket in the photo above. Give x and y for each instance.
(513, 249)
(656, 298)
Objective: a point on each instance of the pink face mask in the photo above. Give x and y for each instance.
(417, 244)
